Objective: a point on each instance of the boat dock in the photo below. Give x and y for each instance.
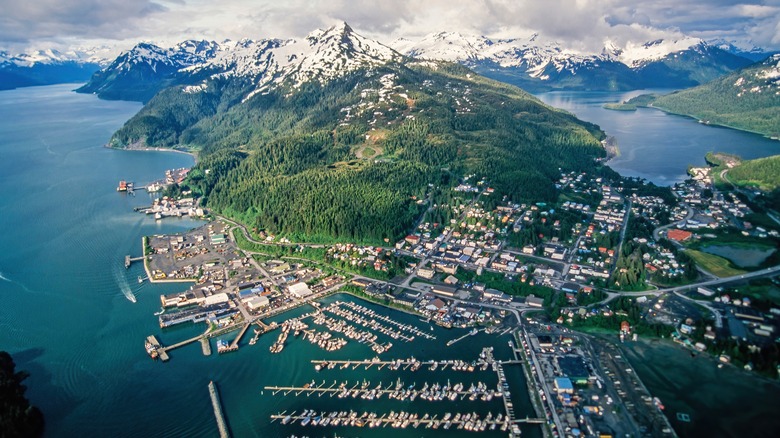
(471, 333)
(395, 390)
(129, 260)
(155, 349)
(206, 346)
(471, 422)
(398, 390)
(233, 346)
(404, 364)
(215, 403)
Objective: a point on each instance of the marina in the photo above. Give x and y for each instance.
(400, 391)
(471, 422)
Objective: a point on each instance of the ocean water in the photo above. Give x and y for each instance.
(655, 145)
(65, 315)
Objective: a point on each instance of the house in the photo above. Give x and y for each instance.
(493, 294)
(361, 282)
(412, 239)
(426, 273)
(435, 305)
(451, 280)
(533, 301)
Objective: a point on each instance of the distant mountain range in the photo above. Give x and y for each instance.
(538, 65)
(531, 62)
(45, 67)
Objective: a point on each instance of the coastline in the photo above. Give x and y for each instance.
(137, 147)
(710, 123)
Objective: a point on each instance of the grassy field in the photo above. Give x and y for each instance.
(714, 264)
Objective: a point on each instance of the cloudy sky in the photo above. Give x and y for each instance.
(581, 24)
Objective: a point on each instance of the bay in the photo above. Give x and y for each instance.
(655, 145)
(66, 318)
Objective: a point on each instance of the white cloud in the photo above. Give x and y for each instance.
(583, 24)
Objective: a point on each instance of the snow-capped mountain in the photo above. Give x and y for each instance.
(322, 55)
(740, 48)
(49, 66)
(94, 55)
(535, 63)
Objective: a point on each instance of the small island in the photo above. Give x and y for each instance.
(641, 101)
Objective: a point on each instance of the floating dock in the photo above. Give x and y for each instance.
(471, 422)
(397, 390)
(215, 403)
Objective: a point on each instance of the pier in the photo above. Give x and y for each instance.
(398, 390)
(206, 346)
(234, 345)
(129, 260)
(471, 422)
(471, 333)
(215, 403)
(410, 363)
(155, 349)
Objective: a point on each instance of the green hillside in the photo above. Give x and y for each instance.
(763, 173)
(294, 161)
(748, 99)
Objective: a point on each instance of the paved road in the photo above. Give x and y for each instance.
(612, 294)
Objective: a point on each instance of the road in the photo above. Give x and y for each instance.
(622, 237)
(756, 274)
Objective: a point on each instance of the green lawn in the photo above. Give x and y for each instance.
(714, 264)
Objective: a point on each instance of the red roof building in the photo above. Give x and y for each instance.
(679, 235)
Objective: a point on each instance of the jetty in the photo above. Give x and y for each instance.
(206, 346)
(129, 260)
(215, 403)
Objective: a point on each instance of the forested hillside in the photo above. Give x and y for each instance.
(354, 157)
(763, 173)
(748, 99)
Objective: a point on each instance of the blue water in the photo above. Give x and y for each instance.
(65, 316)
(655, 145)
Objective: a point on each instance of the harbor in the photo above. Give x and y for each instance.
(437, 392)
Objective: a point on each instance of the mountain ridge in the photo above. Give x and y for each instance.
(539, 65)
(353, 152)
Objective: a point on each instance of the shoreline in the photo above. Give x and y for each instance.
(193, 154)
(710, 123)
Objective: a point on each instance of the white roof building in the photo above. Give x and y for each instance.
(299, 290)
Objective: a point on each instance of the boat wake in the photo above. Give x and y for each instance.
(124, 285)
(4, 278)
